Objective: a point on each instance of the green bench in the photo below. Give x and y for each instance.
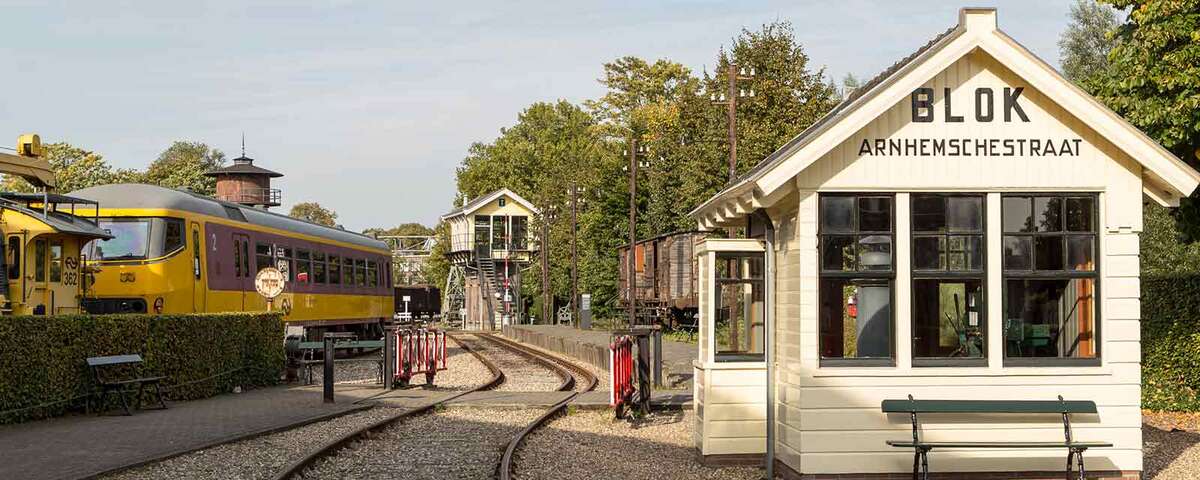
(1062, 407)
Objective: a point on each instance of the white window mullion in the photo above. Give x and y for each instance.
(995, 282)
(902, 291)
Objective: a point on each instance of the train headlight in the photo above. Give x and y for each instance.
(158, 305)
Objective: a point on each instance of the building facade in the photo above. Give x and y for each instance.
(964, 226)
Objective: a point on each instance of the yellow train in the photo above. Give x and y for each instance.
(174, 251)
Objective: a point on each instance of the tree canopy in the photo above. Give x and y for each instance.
(1084, 46)
(183, 165)
(315, 213)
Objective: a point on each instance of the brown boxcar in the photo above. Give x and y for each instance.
(666, 276)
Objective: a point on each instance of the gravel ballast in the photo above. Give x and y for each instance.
(1170, 445)
(593, 444)
(255, 458)
(520, 373)
(459, 443)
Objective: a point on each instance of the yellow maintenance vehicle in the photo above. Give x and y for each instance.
(41, 268)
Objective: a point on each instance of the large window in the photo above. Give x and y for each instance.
(483, 233)
(739, 307)
(1050, 279)
(856, 237)
(499, 232)
(948, 271)
(520, 232)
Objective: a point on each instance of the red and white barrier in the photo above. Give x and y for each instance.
(620, 361)
(419, 351)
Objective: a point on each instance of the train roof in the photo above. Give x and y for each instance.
(139, 195)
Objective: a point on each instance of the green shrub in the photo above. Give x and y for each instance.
(1171, 343)
(43, 369)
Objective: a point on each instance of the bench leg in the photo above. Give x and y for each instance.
(158, 393)
(920, 464)
(1070, 462)
(124, 402)
(924, 464)
(137, 401)
(1079, 460)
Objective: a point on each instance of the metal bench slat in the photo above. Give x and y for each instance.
(113, 360)
(911, 444)
(988, 406)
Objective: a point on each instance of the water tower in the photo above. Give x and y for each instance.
(247, 184)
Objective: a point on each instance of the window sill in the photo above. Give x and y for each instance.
(759, 365)
(981, 372)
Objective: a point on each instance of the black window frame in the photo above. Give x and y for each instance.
(1033, 273)
(319, 268)
(866, 277)
(756, 278)
(947, 273)
(334, 271)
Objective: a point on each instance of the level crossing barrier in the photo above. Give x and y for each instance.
(418, 351)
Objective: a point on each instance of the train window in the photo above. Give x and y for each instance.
(56, 260)
(318, 263)
(237, 257)
(262, 258)
(348, 271)
(39, 260)
(372, 275)
(172, 235)
(303, 266)
(246, 257)
(335, 270)
(14, 258)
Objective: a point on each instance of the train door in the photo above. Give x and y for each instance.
(241, 267)
(199, 293)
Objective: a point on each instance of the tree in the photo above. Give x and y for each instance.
(183, 165)
(315, 213)
(74, 168)
(412, 228)
(850, 83)
(1085, 44)
(1154, 82)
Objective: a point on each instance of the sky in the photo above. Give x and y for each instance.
(368, 107)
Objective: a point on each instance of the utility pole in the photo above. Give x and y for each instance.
(547, 308)
(729, 100)
(574, 255)
(632, 252)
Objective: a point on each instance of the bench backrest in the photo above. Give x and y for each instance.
(114, 360)
(988, 406)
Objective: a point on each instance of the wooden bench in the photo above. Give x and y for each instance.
(921, 448)
(121, 383)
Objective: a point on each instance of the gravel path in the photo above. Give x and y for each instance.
(520, 374)
(584, 444)
(457, 443)
(255, 458)
(602, 379)
(1171, 445)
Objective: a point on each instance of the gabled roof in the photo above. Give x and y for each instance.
(479, 202)
(243, 165)
(1166, 178)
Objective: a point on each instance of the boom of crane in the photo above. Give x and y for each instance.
(28, 164)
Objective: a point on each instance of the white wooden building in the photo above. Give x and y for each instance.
(964, 226)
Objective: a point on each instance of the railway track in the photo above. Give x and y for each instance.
(370, 451)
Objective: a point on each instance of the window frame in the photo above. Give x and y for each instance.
(760, 282)
(1096, 275)
(887, 277)
(947, 274)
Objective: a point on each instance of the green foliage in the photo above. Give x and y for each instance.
(315, 213)
(201, 355)
(183, 165)
(1171, 342)
(1085, 44)
(437, 267)
(411, 228)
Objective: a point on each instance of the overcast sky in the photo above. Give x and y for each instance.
(368, 107)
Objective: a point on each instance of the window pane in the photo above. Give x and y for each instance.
(947, 318)
(745, 266)
(335, 270)
(1016, 213)
(875, 253)
(319, 270)
(928, 253)
(837, 214)
(39, 258)
(1079, 214)
(875, 214)
(739, 321)
(499, 232)
(1050, 318)
(929, 213)
(1048, 252)
(974, 252)
(964, 214)
(1018, 252)
(1048, 213)
(856, 318)
(56, 253)
(1079, 252)
(837, 253)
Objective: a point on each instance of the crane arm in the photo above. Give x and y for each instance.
(28, 164)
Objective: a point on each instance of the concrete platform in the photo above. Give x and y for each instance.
(83, 446)
(591, 346)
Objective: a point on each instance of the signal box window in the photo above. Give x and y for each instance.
(739, 306)
(856, 277)
(520, 232)
(1050, 279)
(948, 278)
(335, 270)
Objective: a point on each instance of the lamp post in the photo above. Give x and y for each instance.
(574, 255)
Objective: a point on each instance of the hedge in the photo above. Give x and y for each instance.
(42, 358)
(1171, 343)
